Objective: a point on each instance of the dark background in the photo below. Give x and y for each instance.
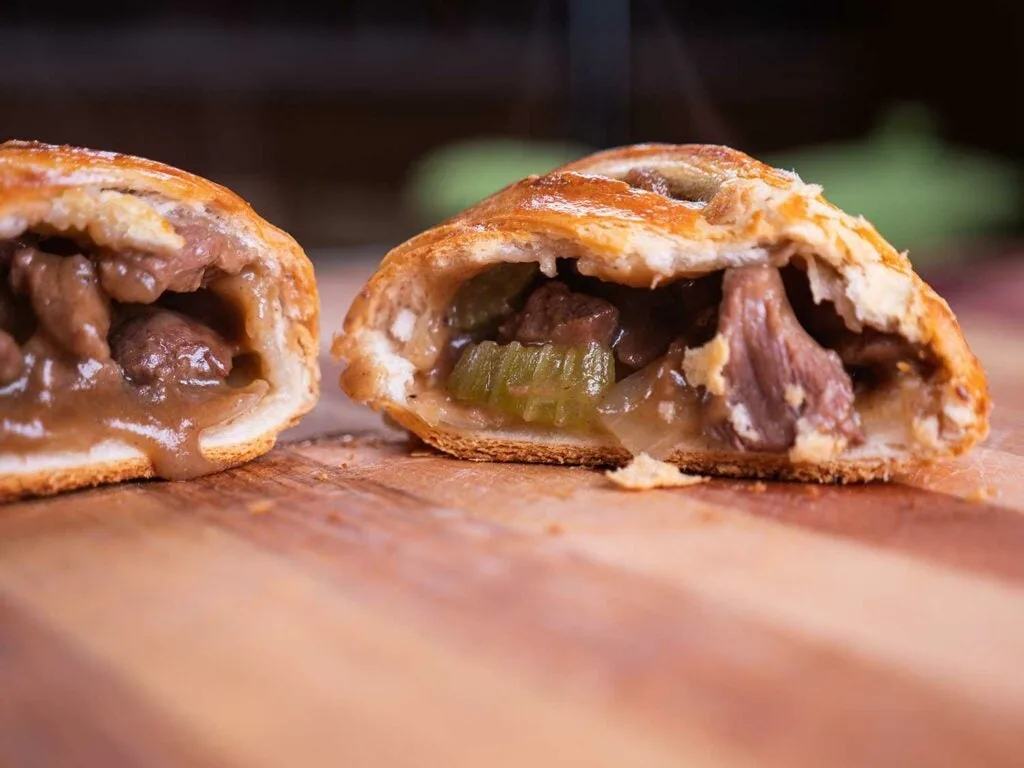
(317, 112)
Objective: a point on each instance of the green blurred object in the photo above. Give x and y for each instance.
(919, 192)
(455, 176)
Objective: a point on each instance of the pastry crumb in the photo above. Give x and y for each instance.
(705, 365)
(759, 487)
(813, 446)
(795, 395)
(982, 493)
(644, 473)
(260, 507)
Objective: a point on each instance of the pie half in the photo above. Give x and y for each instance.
(685, 302)
(151, 324)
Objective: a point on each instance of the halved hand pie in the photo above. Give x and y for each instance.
(687, 302)
(150, 322)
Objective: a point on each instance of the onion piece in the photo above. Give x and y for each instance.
(654, 409)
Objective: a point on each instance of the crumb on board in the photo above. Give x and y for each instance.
(321, 475)
(260, 507)
(644, 473)
(759, 487)
(813, 491)
(982, 493)
(559, 492)
(705, 516)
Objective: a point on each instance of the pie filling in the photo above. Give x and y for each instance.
(742, 359)
(145, 348)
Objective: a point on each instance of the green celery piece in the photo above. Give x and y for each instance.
(472, 377)
(549, 384)
(489, 296)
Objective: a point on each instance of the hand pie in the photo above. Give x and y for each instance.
(151, 324)
(687, 302)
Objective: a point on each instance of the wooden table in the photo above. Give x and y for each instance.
(349, 601)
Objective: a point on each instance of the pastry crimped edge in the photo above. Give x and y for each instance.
(754, 214)
(32, 173)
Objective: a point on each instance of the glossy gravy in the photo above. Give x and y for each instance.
(62, 401)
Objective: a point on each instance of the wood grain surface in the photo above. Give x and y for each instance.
(353, 599)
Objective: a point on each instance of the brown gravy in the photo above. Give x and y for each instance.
(167, 432)
(64, 400)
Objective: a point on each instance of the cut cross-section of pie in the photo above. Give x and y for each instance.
(151, 324)
(686, 302)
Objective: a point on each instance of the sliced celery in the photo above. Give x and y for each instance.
(491, 295)
(553, 385)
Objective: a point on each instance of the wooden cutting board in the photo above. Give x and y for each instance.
(350, 600)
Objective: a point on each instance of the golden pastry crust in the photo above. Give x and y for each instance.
(116, 199)
(739, 212)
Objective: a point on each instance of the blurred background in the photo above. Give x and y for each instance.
(355, 124)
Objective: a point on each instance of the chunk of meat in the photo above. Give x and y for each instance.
(221, 314)
(16, 316)
(160, 347)
(649, 179)
(871, 348)
(66, 298)
(650, 319)
(868, 348)
(140, 277)
(50, 370)
(776, 374)
(699, 300)
(7, 250)
(12, 313)
(11, 362)
(555, 315)
(136, 276)
(645, 331)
